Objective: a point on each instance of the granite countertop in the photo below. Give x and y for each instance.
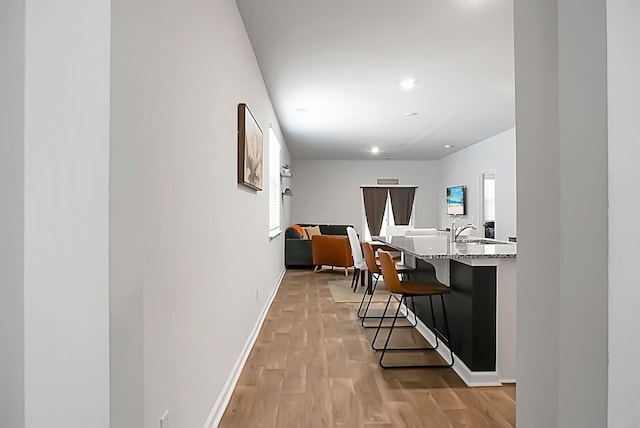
(441, 247)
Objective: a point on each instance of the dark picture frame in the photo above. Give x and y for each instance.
(250, 150)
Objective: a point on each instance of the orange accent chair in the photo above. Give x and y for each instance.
(331, 250)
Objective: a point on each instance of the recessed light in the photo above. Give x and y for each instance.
(407, 84)
(302, 109)
(375, 150)
(449, 146)
(411, 113)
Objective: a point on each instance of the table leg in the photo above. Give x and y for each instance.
(369, 282)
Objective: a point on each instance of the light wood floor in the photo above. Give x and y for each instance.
(313, 366)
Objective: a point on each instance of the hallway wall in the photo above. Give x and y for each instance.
(623, 57)
(54, 142)
(192, 266)
(562, 176)
(12, 23)
(66, 213)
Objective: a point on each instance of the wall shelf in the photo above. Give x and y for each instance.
(285, 170)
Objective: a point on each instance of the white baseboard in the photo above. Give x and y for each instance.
(470, 378)
(225, 395)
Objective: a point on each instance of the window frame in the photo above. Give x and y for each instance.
(387, 219)
(274, 200)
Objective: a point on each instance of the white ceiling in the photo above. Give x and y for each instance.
(344, 59)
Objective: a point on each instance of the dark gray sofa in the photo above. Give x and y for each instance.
(297, 251)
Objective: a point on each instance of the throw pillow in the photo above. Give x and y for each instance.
(310, 231)
(300, 231)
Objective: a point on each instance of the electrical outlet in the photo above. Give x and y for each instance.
(164, 420)
(257, 294)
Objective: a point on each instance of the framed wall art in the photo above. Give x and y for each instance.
(250, 153)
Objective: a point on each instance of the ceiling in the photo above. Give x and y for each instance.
(342, 61)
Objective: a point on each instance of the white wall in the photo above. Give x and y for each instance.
(66, 136)
(624, 203)
(329, 191)
(537, 145)
(583, 182)
(126, 219)
(179, 71)
(497, 154)
(562, 213)
(11, 213)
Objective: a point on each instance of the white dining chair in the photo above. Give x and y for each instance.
(358, 258)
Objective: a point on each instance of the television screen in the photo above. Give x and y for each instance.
(456, 200)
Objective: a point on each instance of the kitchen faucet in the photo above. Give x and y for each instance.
(452, 229)
(459, 230)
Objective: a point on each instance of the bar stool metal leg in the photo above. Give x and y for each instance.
(445, 338)
(363, 317)
(395, 317)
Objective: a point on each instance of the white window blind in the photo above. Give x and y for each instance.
(274, 184)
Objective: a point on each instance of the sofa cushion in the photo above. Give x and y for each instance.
(334, 229)
(311, 231)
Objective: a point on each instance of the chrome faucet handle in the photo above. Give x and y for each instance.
(452, 229)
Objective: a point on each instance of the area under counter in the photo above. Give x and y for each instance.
(481, 304)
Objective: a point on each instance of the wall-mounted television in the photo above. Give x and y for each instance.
(456, 200)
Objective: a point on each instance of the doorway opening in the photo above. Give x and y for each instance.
(488, 204)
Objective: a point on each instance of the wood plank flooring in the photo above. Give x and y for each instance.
(312, 366)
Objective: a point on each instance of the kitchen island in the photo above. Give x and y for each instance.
(481, 305)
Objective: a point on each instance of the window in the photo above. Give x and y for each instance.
(387, 220)
(274, 184)
(489, 192)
